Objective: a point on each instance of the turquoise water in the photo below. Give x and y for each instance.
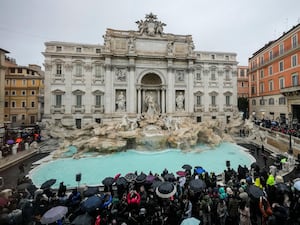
(95, 169)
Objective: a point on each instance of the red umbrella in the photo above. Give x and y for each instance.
(181, 173)
(3, 201)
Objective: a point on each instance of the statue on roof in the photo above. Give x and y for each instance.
(151, 26)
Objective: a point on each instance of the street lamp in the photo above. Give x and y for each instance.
(290, 150)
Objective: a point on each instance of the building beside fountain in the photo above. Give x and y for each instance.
(143, 72)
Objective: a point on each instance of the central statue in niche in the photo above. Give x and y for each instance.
(151, 107)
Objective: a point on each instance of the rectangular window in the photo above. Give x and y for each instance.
(32, 104)
(281, 66)
(227, 75)
(23, 117)
(262, 60)
(78, 49)
(262, 74)
(6, 104)
(270, 55)
(20, 70)
(33, 82)
(98, 100)
(270, 85)
(198, 76)
(295, 79)
(294, 60)
(281, 48)
(270, 70)
(252, 90)
(213, 100)
(98, 70)
(24, 82)
(242, 73)
(213, 75)
(281, 101)
(58, 69)
(294, 41)
(281, 82)
(78, 69)
(13, 104)
(227, 100)
(78, 100)
(58, 101)
(261, 86)
(98, 50)
(23, 104)
(14, 119)
(213, 56)
(198, 99)
(14, 82)
(12, 70)
(58, 48)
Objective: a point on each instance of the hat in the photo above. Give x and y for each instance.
(166, 190)
(249, 180)
(229, 191)
(279, 179)
(241, 190)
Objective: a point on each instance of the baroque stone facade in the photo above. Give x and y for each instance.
(134, 72)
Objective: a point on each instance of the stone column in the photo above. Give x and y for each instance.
(131, 92)
(109, 102)
(163, 103)
(170, 88)
(189, 96)
(139, 110)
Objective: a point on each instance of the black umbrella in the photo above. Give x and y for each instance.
(156, 183)
(130, 177)
(165, 190)
(187, 167)
(169, 177)
(47, 184)
(91, 204)
(83, 219)
(255, 192)
(282, 188)
(141, 178)
(197, 185)
(23, 186)
(121, 182)
(90, 191)
(108, 181)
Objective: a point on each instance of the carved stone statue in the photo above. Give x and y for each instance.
(150, 26)
(151, 107)
(170, 46)
(121, 102)
(180, 101)
(107, 40)
(131, 45)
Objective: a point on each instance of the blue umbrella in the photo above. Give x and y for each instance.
(199, 170)
(190, 221)
(91, 204)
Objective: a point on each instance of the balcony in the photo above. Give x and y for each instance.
(97, 109)
(78, 109)
(199, 108)
(291, 91)
(213, 108)
(57, 109)
(228, 108)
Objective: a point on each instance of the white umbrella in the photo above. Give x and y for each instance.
(54, 214)
(297, 185)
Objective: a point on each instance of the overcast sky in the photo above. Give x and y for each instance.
(239, 26)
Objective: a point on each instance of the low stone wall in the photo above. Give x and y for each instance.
(281, 142)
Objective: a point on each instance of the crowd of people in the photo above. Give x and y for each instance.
(255, 197)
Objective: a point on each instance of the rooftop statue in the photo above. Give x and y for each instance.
(150, 26)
